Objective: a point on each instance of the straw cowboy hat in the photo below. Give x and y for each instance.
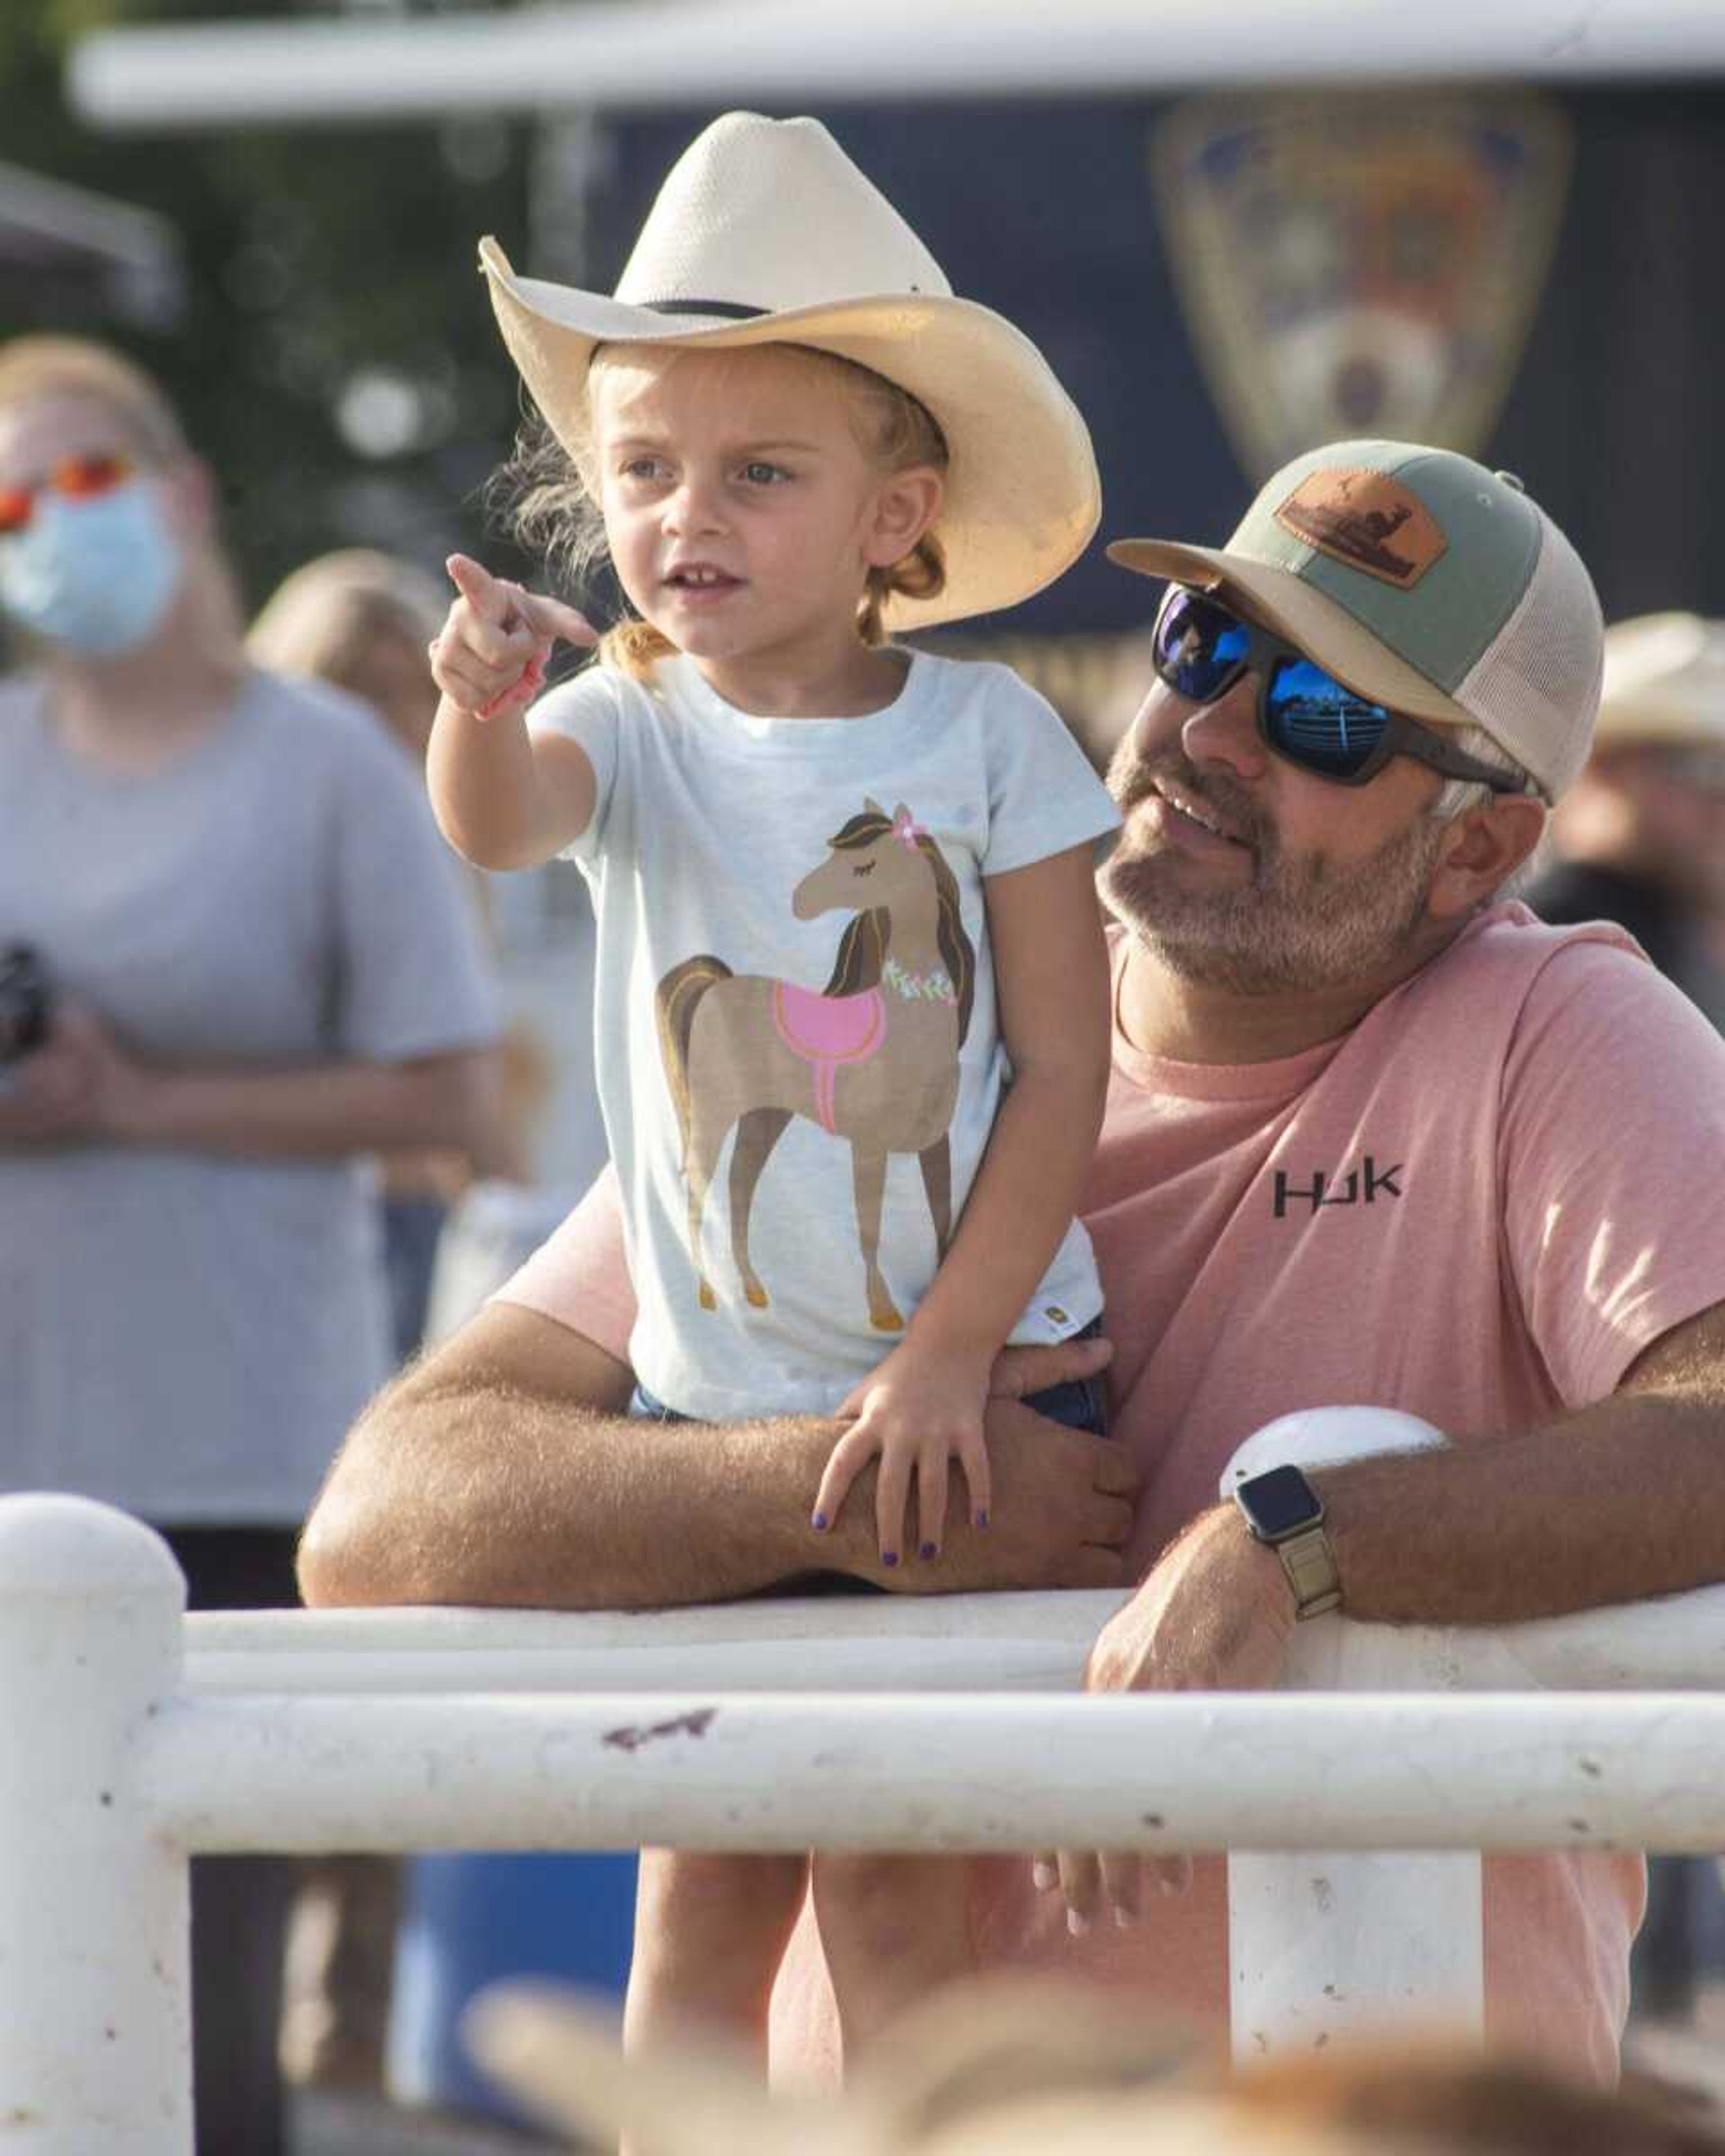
(765, 232)
(1665, 680)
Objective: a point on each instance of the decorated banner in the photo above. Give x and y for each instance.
(1357, 265)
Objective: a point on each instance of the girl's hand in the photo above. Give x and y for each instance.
(490, 654)
(917, 1411)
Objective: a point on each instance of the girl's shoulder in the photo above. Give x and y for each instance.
(969, 680)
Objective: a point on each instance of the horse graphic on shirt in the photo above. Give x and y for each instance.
(872, 1058)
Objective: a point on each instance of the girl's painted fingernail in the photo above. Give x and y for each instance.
(819, 1522)
(1077, 1923)
(980, 1519)
(1044, 1876)
(929, 1550)
(889, 1557)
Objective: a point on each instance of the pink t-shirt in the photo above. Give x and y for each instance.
(1479, 1206)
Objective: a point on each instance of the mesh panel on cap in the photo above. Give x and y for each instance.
(1536, 686)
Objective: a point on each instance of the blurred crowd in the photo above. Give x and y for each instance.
(252, 1054)
(252, 1049)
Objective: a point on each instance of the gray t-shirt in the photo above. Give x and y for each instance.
(184, 1334)
(793, 973)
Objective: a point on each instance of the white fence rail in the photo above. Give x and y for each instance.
(133, 1735)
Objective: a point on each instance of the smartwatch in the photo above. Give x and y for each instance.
(1282, 1509)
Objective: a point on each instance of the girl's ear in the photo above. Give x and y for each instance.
(905, 504)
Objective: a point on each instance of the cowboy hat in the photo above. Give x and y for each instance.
(765, 232)
(1665, 680)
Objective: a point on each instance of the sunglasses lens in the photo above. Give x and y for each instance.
(1198, 645)
(80, 479)
(1315, 722)
(15, 509)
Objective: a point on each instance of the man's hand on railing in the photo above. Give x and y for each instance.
(1215, 1615)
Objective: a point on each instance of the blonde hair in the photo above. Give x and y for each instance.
(40, 365)
(548, 495)
(323, 618)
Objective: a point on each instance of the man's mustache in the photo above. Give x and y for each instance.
(1135, 777)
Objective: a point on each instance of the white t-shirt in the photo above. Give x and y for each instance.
(792, 938)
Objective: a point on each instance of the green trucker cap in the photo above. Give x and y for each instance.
(1425, 582)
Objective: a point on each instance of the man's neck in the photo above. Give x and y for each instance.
(1167, 1014)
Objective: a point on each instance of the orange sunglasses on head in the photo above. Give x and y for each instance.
(79, 478)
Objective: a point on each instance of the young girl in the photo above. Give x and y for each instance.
(847, 927)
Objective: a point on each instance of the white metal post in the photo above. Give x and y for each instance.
(1332, 1945)
(96, 2042)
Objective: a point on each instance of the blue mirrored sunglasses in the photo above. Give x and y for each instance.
(1305, 714)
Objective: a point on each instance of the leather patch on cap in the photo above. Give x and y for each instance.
(1366, 520)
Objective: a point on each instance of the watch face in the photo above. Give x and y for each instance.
(1278, 1504)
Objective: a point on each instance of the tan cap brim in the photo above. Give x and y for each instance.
(1305, 616)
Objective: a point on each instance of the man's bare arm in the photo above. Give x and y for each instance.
(503, 1470)
(1613, 1502)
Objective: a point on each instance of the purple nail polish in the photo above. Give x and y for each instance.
(981, 1519)
(889, 1557)
(819, 1522)
(928, 1550)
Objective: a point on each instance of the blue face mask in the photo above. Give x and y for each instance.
(96, 577)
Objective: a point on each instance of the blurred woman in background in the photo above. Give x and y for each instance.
(362, 619)
(259, 966)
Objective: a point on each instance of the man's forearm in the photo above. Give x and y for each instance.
(502, 1471)
(505, 1498)
(1614, 1502)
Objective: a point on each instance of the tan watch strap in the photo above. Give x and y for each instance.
(1310, 1563)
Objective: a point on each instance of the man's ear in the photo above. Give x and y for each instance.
(1482, 849)
(905, 505)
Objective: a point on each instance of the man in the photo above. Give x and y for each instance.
(1371, 1137)
(1640, 840)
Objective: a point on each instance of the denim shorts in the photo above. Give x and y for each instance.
(1079, 1403)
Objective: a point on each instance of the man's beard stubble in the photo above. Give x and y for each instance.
(1296, 926)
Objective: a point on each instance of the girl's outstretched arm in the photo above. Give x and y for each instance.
(503, 799)
(923, 1406)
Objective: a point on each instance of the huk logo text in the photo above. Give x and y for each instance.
(1361, 1186)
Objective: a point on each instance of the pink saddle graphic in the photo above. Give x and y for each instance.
(829, 1032)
